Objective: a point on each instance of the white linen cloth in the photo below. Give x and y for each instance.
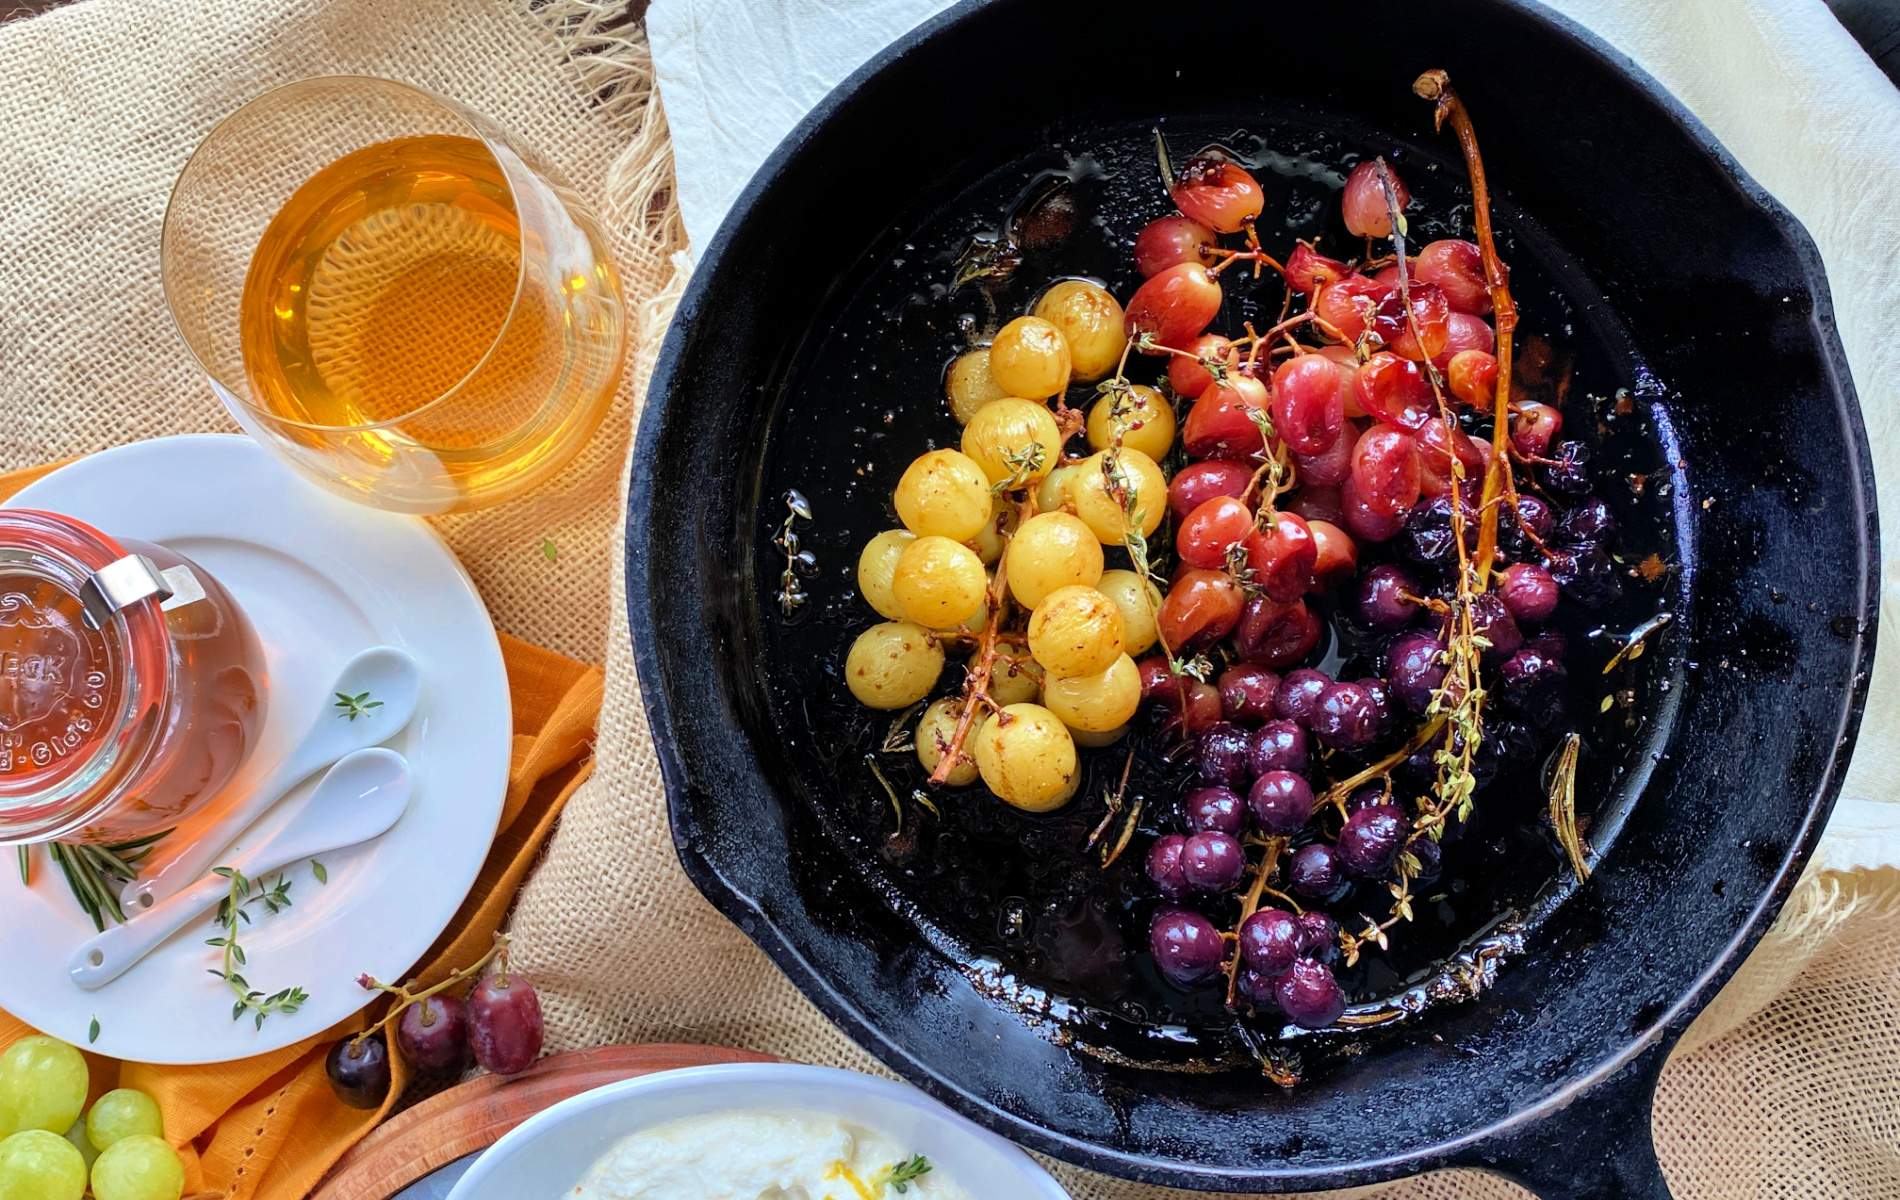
(1780, 82)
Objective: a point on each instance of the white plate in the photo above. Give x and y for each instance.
(545, 1156)
(321, 579)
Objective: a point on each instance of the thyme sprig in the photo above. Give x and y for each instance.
(359, 705)
(899, 1176)
(1563, 807)
(239, 896)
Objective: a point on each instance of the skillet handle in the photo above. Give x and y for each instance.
(1597, 1148)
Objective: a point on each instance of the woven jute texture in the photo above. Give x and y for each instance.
(1784, 1088)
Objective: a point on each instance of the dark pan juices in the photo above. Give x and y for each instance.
(1015, 897)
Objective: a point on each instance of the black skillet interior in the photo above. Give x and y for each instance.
(1638, 243)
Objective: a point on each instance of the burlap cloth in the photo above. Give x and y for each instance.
(1785, 1086)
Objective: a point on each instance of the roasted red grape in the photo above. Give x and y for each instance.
(1171, 241)
(1348, 307)
(1528, 592)
(1187, 948)
(1213, 861)
(1416, 668)
(1370, 841)
(1214, 808)
(1385, 597)
(1368, 212)
(1200, 609)
(1457, 267)
(1281, 557)
(1332, 466)
(1394, 390)
(1464, 332)
(1309, 406)
(1277, 746)
(1320, 504)
(1174, 306)
(1347, 717)
(1246, 692)
(1221, 755)
(1164, 866)
(1310, 996)
(1316, 872)
(1203, 538)
(1190, 376)
(1217, 193)
(1276, 635)
(1281, 802)
(1297, 699)
(504, 1023)
(1336, 555)
(1361, 521)
(1533, 426)
(1385, 470)
(1221, 423)
(1417, 332)
(1197, 483)
(1269, 941)
(1472, 376)
(1308, 271)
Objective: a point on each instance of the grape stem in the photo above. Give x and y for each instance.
(1435, 85)
(404, 997)
(976, 686)
(1250, 904)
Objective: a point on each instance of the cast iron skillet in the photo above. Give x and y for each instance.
(1732, 348)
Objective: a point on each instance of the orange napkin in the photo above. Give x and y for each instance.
(267, 1128)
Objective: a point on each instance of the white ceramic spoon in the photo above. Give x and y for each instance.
(394, 682)
(358, 799)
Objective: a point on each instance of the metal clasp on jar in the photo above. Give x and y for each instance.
(119, 585)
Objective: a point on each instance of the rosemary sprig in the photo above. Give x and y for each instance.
(96, 873)
(242, 893)
(1563, 807)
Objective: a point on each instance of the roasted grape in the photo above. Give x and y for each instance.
(1014, 440)
(1172, 307)
(1221, 755)
(1201, 608)
(969, 385)
(1075, 631)
(1211, 531)
(1222, 423)
(1316, 872)
(1309, 405)
(1090, 320)
(1368, 210)
(1281, 802)
(1197, 483)
(1188, 950)
(991, 540)
(1218, 193)
(1102, 510)
(1052, 495)
(1097, 703)
(1139, 602)
(1278, 745)
(1310, 996)
(1029, 358)
(1051, 551)
(1246, 694)
(938, 583)
(1457, 267)
(1281, 556)
(1269, 941)
(1164, 866)
(893, 665)
(1171, 242)
(1275, 635)
(1308, 271)
(1417, 669)
(1385, 470)
(945, 494)
(877, 563)
(1371, 839)
(1335, 555)
(1143, 417)
(1027, 757)
(1191, 373)
(1528, 591)
(1213, 861)
(1015, 680)
(936, 730)
(1216, 808)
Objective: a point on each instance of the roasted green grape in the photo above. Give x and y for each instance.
(1013, 439)
(1027, 758)
(120, 1113)
(1096, 703)
(990, 540)
(1138, 602)
(1102, 512)
(1053, 494)
(969, 385)
(1050, 551)
(1030, 358)
(1146, 420)
(939, 583)
(893, 665)
(1015, 680)
(943, 494)
(936, 730)
(140, 1167)
(38, 1165)
(1091, 322)
(43, 1084)
(876, 565)
(1075, 631)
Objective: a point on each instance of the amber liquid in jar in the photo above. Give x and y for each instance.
(116, 730)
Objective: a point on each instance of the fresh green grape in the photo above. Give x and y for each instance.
(1102, 512)
(43, 1084)
(1096, 703)
(37, 1165)
(1147, 424)
(876, 564)
(1075, 631)
(1030, 358)
(1053, 493)
(77, 1136)
(1027, 758)
(936, 730)
(943, 493)
(969, 385)
(1015, 681)
(1050, 551)
(939, 583)
(892, 665)
(989, 540)
(140, 1167)
(1006, 429)
(1125, 589)
(1091, 323)
(120, 1113)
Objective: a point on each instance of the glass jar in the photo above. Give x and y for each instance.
(132, 687)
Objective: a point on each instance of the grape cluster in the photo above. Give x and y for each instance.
(1353, 429)
(499, 1024)
(118, 1148)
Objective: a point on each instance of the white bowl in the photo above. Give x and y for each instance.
(547, 1155)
